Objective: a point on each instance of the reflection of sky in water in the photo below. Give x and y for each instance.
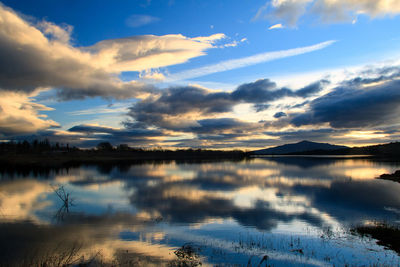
(233, 210)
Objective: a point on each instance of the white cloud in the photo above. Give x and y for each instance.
(287, 10)
(152, 76)
(62, 34)
(19, 115)
(41, 56)
(137, 20)
(276, 26)
(233, 43)
(210, 39)
(140, 53)
(246, 61)
(328, 10)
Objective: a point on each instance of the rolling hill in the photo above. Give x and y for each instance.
(303, 146)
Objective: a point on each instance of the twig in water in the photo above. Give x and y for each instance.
(65, 197)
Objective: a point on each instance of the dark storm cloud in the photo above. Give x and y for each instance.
(90, 129)
(264, 90)
(181, 101)
(301, 104)
(170, 110)
(261, 107)
(134, 135)
(279, 115)
(221, 141)
(221, 124)
(380, 75)
(260, 91)
(312, 89)
(108, 91)
(394, 129)
(220, 133)
(354, 106)
(219, 137)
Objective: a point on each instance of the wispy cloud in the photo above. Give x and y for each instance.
(246, 61)
(233, 44)
(103, 109)
(138, 20)
(276, 26)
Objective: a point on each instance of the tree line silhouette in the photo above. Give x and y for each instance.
(47, 151)
(44, 150)
(36, 146)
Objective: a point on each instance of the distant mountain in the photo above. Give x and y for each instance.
(303, 146)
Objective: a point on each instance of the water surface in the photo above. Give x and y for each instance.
(294, 210)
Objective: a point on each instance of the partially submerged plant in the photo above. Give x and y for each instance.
(188, 256)
(386, 235)
(66, 199)
(64, 196)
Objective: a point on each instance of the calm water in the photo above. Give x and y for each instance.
(297, 211)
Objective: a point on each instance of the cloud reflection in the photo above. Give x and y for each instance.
(261, 194)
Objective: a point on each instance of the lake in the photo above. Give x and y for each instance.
(278, 211)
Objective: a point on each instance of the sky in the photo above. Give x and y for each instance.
(202, 74)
